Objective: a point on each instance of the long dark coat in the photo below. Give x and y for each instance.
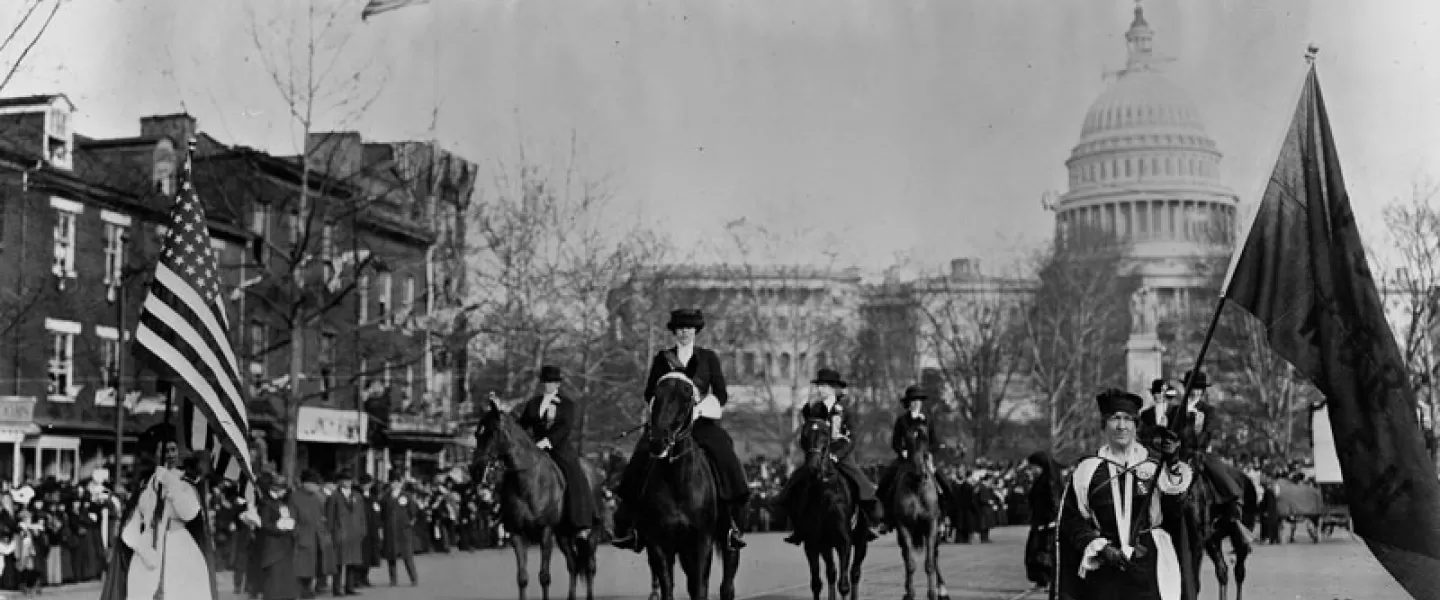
(579, 498)
(397, 520)
(277, 557)
(312, 534)
(346, 518)
(372, 527)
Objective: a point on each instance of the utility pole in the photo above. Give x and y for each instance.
(117, 295)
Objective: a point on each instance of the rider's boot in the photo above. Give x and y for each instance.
(739, 517)
(874, 520)
(626, 536)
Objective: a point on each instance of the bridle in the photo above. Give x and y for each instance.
(668, 443)
(822, 448)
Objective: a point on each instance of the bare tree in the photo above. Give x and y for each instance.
(304, 48)
(1414, 289)
(32, 21)
(1077, 319)
(552, 253)
(885, 359)
(973, 329)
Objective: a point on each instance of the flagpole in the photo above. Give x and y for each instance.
(1179, 423)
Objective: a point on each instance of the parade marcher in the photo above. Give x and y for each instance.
(276, 536)
(372, 493)
(1109, 550)
(548, 418)
(398, 512)
(703, 367)
(164, 555)
(1044, 501)
(829, 408)
(912, 417)
(345, 514)
(313, 546)
(1163, 396)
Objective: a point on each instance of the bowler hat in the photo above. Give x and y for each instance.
(1198, 382)
(914, 392)
(1157, 386)
(1118, 401)
(829, 377)
(550, 374)
(686, 318)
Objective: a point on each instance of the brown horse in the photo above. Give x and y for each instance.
(531, 494)
(913, 510)
(828, 517)
(684, 516)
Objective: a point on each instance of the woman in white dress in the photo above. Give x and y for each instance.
(171, 562)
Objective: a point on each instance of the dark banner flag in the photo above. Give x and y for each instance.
(1302, 271)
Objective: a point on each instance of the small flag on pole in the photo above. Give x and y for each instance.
(375, 7)
(1302, 271)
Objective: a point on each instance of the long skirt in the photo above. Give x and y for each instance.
(54, 570)
(1040, 555)
(185, 573)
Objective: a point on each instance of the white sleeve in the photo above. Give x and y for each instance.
(183, 498)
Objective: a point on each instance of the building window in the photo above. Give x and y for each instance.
(258, 345)
(327, 250)
(363, 375)
(785, 365)
(384, 294)
(406, 384)
(386, 368)
(114, 253)
(327, 361)
(820, 361)
(362, 298)
(66, 212)
(61, 365)
(409, 298)
(749, 364)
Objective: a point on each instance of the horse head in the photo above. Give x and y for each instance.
(498, 439)
(671, 415)
(916, 442)
(815, 442)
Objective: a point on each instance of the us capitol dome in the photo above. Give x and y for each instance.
(1146, 171)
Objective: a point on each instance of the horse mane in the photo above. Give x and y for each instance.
(515, 443)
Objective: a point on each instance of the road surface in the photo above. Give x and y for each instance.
(1340, 568)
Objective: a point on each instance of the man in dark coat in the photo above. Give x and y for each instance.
(345, 514)
(548, 418)
(398, 512)
(829, 408)
(312, 533)
(276, 537)
(703, 368)
(372, 492)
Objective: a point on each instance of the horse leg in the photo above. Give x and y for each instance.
(663, 586)
(522, 560)
(567, 545)
(1215, 551)
(812, 556)
(844, 551)
(830, 572)
(1240, 542)
(931, 541)
(695, 562)
(547, 546)
(902, 537)
(729, 567)
(939, 577)
(857, 561)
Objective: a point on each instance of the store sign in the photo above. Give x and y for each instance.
(17, 409)
(401, 423)
(331, 426)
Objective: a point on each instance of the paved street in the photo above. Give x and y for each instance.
(1335, 569)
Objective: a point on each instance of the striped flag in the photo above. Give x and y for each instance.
(183, 332)
(375, 7)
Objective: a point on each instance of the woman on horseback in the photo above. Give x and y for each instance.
(828, 407)
(548, 418)
(912, 418)
(703, 368)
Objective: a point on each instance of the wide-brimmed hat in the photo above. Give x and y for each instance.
(914, 392)
(686, 318)
(550, 374)
(1118, 401)
(829, 377)
(1198, 382)
(1157, 386)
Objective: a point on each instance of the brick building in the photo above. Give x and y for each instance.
(80, 223)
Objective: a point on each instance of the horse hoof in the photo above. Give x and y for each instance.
(654, 595)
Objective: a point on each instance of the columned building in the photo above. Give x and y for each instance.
(1146, 171)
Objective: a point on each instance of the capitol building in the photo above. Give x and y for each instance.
(1146, 171)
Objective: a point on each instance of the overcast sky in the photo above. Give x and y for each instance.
(930, 128)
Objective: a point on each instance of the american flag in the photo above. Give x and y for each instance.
(183, 333)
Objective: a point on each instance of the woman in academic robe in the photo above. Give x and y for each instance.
(1111, 540)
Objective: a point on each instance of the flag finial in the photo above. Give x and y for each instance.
(1310, 53)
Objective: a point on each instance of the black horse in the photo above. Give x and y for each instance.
(684, 516)
(828, 517)
(913, 509)
(1210, 525)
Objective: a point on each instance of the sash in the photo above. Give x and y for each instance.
(673, 357)
(1167, 563)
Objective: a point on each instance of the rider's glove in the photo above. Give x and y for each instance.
(1115, 558)
(543, 444)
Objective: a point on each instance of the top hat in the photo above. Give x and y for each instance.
(913, 392)
(829, 377)
(550, 374)
(686, 317)
(1157, 386)
(1118, 401)
(1200, 381)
